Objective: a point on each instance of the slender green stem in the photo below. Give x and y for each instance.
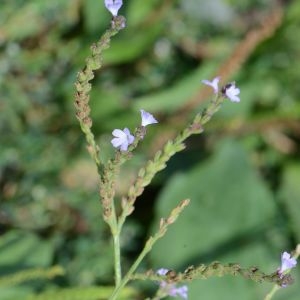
(126, 278)
(117, 255)
(149, 244)
(120, 283)
(116, 240)
(272, 292)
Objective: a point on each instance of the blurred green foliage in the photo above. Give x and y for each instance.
(242, 174)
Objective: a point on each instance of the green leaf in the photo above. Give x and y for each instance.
(228, 200)
(138, 11)
(14, 293)
(24, 248)
(21, 20)
(289, 194)
(174, 97)
(96, 16)
(131, 45)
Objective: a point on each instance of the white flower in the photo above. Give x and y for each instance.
(231, 92)
(113, 6)
(123, 138)
(214, 84)
(147, 118)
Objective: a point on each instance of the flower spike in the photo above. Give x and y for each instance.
(113, 6)
(147, 118)
(122, 139)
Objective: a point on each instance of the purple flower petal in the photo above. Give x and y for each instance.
(162, 271)
(231, 92)
(123, 139)
(287, 262)
(147, 118)
(170, 288)
(214, 84)
(113, 6)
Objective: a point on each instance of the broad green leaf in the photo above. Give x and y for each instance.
(290, 196)
(174, 97)
(138, 11)
(24, 248)
(22, 20)
(131, 45)
(228, 201)
(97, 17)
(15, 293)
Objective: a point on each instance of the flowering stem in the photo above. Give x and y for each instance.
(272, 292)
(82, 97)
(276, 287)
(145, 177)
(160, 159)
(214, 269)
(83, 86)
(149, 244)
(107, 193)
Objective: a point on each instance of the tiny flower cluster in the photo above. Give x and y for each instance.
(123, 138)
(229, 91)
(170, 289)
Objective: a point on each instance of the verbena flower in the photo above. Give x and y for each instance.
(147, 118)
(173, 291)
(123, 138)
(231, 92)
(162, 271)
(170, 288)
(287, 262)
(113, 6)
(214, 84)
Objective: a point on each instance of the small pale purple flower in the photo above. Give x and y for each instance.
(287, 262)
(173, 291)
(123, 138)
(162, 271)
(113, 6)
(170, 288)
(147, 118)
(231, 92)
(214, 84)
